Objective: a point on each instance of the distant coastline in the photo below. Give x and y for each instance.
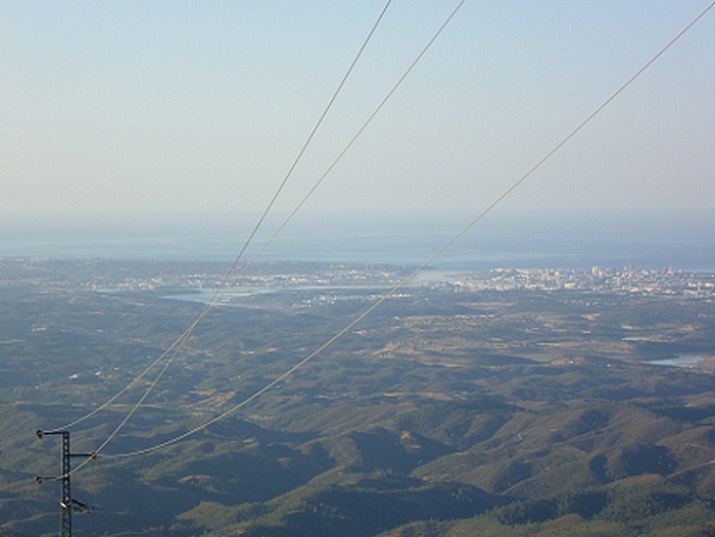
(650, 240)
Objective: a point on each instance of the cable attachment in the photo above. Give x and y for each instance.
(41, 480)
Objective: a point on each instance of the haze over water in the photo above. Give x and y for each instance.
(652, 240)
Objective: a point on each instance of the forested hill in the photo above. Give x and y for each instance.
(457, 408)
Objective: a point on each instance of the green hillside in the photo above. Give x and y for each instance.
(449, 412)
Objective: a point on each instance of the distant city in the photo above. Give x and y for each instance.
(622, 281)
(275, 276)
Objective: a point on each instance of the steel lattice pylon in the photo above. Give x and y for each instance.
(66, 501)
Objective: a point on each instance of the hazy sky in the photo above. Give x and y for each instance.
(167, 106)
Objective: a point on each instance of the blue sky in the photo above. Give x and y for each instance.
(160, 106)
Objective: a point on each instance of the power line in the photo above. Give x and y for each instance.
(179, 343)
(350, 143)
(220, 292)
(434, 256)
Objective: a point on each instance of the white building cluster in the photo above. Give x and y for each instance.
(622, 281)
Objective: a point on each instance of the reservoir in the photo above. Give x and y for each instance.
(680, 361)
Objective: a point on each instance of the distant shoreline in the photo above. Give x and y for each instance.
(650, 240)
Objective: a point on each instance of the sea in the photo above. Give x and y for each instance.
(651, 240)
